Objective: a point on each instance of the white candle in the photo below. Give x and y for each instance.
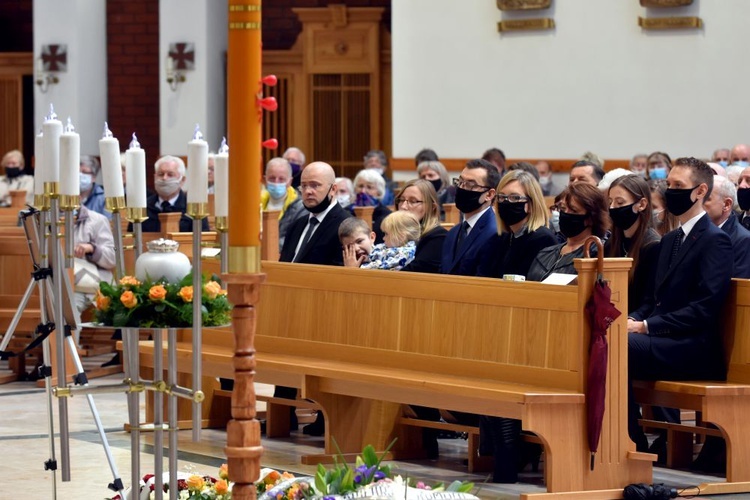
(197, 168)
(70, 161)
(52, 130)
(135, 175)
(221, 181)
(38, 163)
(109, 151)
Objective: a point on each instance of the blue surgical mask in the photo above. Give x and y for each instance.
(723, 163)
(741, 163)
(277, 191)
(658, 173)
(85, 181)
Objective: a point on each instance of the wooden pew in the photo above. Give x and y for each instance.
(725, 404)
(269, 243)
(452, 214)
(362, 344)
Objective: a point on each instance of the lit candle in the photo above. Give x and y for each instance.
(70, 158)
(197, 168)
(135, 175)
(52, 130)
(221, 181)
(109, 151)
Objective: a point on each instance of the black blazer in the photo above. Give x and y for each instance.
(740, 246)
(507, 255)
(466, 261)
(429, 252)
(152, 224)
(324, 246)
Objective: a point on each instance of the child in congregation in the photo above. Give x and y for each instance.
(401, 231)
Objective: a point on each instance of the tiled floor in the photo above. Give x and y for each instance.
(24, 447)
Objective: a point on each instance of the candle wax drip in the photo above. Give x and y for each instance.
(134, 144)
(223, 148)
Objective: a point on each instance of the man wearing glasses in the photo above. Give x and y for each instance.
(475, 190)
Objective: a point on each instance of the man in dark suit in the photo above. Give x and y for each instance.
(674, 335)
(475, 190)
(720, 208)
(743, 197)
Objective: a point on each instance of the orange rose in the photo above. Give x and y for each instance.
(195, 483)
(128, 299)
(272, 477)
(102, 302)
(211, 290)
(221, 487)
(224, 471)
(186, 293)
(157, 293)
(129, 280)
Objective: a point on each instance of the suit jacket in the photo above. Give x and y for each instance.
(324, 246)
(465, 262)
(152, 224)
(740, 246)
(505, 254)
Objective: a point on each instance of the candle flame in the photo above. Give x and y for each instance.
(197, 135)
(224, 148)
(107, 132)
(69, 127)
(134, 144)
(52, 115)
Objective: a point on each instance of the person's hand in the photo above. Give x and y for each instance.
(82, 249)
(636, 326)
(350, 257)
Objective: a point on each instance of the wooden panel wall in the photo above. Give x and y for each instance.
(13, 67)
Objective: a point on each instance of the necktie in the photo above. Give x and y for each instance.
(166, 206)
(462, 235)
(746, 221)
(676, 245)
(310, 228)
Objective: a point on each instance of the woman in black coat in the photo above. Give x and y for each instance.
(418, 197)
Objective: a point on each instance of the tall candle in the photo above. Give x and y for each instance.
(221, 181)
(52, 130)
(38, 164)
(70, 158)
(109, 151)
(135, 175)
(197, 168)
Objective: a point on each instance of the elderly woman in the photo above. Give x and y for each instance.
(435, 173)
(659, 165)
(418, 197)
(344, 191)
(369, 189)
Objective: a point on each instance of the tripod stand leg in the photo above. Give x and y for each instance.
(17, 317)
(51, 464)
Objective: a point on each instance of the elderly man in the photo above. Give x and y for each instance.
(92, 194)
(721, 156)
(296, 159)
(546, 179)
(279, 195)
(586, 171)
(639, 165)
(740, 155)
(720, 208)
(169, 177)
(743, 197)
(14, 179)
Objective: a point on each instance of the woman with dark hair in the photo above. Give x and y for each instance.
(583, 212)
(418, 197)
(632, 235)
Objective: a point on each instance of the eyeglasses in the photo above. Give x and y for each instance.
(470, 185)
(409, 202)
(513, 198)
(315, 186)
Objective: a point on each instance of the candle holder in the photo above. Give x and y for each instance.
(137, 215)
(41, 202)
(197, 212)
(222, 227)
(116, 204)
(68, 204)
(52, 189)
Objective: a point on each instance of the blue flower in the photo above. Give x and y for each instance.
(379, 475)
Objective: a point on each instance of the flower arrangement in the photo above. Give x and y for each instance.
(158, 304)
(189, 487)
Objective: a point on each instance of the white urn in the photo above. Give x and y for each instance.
(162, 261)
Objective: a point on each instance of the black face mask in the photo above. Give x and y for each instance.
(320, 207)
(623, 217)
(468, 201)
(12, 172)
(678, 200)
(571, 225)
(511, 213)
(743, 198)
(437, 184)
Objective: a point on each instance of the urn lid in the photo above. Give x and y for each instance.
(162, 246)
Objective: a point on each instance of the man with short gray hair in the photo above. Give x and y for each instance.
(279, 195)
(720, 208)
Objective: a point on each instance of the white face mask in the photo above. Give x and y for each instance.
(545, 181)
(166, 187)
(344, 200)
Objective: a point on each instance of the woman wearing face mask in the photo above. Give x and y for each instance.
(92, 194)
(632, 235)
(659, 164)
(583, 212)
(435, 173)
(369, 190)
(661, 220)
(13, 178)
(344, 191)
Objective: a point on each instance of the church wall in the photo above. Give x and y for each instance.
(596, 82)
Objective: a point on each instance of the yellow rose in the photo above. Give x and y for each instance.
(102, 302)
(128, 299)
(129, 280)
(224, 471)
(157, 293)
(221, 487)
(211, 289)
(186, 293)
(195, 483)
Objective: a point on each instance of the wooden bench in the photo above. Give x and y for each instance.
(726, 404)
(362, 344)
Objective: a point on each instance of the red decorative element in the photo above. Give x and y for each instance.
(55, 57)
(270, 143)
(268, 103)
(270, 80)
(183, 55)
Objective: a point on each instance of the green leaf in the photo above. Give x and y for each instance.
(466, 487)
(369, 456)
(347, 483)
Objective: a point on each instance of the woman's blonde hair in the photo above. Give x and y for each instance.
(402, 227)
(538, 214)
(431, 217)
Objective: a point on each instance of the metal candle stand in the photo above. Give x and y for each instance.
(197, 212)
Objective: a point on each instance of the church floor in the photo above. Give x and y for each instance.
(24, 447)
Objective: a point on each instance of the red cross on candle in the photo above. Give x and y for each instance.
(183, 55)
(55, 57)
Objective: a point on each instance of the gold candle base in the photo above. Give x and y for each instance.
(222, 224)
(136, 214)
(197, 210)
(244, 260)
(115, 203)
(69, 202)
(41, 202)
(52, 189)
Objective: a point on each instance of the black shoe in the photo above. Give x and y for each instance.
(113, 362)
(712, 458)
(659, 448)
(317, 428)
